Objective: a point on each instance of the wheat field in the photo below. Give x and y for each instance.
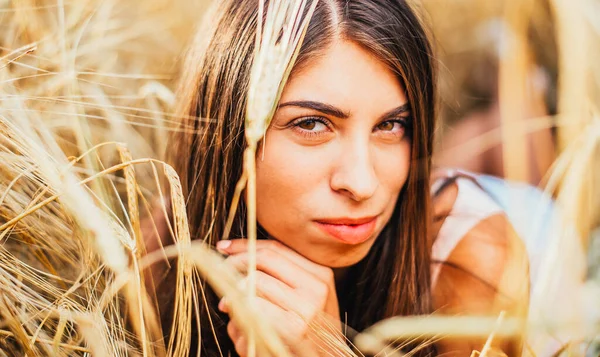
(87, 96)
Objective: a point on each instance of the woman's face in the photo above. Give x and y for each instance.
(335, 157)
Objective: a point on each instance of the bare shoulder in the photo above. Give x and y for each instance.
(485, 272)
(485, 253)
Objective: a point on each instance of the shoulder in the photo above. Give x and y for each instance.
(486, 272)
(475, 241)
(480, 264)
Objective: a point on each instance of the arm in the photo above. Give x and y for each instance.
(485, 274)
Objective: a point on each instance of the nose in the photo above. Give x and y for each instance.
(354, 175)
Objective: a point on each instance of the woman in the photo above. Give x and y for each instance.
(343, 182)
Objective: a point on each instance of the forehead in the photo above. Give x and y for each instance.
(347, 76)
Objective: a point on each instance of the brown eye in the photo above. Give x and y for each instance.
(386, 126)
(311, 127)
(307, 124)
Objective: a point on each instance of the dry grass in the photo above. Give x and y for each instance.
(85, 107)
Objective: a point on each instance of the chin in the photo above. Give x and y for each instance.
(339, 257)
(326, 251)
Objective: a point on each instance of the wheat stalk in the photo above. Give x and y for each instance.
(277, 44)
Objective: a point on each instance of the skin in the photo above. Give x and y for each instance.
(488, 273)
(309, 171)
(316, 165)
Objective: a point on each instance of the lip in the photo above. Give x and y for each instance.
(349, 230)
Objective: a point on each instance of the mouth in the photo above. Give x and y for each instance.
(349, 230)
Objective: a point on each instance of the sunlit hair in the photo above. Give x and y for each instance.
(394, 278)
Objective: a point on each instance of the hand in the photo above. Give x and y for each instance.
(292, 292)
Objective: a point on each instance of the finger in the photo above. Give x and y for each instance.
(276, 265)
(281, 294)
(233, 331)
(288, 325)
(277, 293)
(241, 346)
(238, 339)
(268, 288)
(241, 245)
(224, 305)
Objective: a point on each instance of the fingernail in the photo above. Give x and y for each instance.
(223, 244)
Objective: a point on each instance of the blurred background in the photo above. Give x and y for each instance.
(519, 86)
(474, 40)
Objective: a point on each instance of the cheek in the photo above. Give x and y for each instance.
(293, 181)
(392, 167)
(287, 176)
(293, 188)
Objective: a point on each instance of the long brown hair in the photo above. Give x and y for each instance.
(395, 274)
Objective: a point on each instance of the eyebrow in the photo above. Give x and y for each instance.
(396, 112)
(318, 106)
(333, 111)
